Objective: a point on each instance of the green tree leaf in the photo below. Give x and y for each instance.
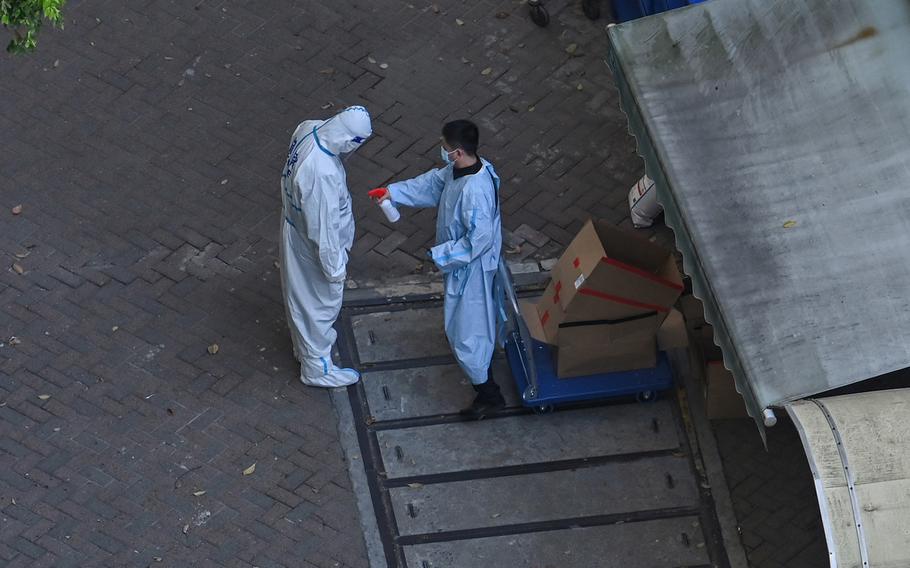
(24, 19)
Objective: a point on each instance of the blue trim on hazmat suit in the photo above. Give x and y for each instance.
(467, 251)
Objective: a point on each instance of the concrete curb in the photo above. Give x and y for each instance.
(713, 466)
(351, 448)
(527, 275)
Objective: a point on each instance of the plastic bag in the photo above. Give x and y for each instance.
(643, 203)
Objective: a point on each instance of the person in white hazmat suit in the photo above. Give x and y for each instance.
(317, 232)
(468, 246)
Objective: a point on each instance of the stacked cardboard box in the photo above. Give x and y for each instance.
(721, 398)
(607, 298)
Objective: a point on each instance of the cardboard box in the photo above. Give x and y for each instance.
(702, 332)
(673, 333)
(587, 348)
(721, 398)
(693, 311)
(609, 274)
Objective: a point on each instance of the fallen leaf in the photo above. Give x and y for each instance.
(383, 65)
(56, 63)
(170, 411)
(327, 106)
(17, 209)
(435, 9)
(487, 71)
(224, 181)
(465, 60)
(580, 87)
(44, 396)
(249, 470)
(14, 501)
(115, 328)
(198, 493)
(18, 268)
(327, 71)
(787, 225)
(21, 255)
(213, 348)
(168, 58)
(495, 515)
(371, 60)
(157, 559)
(14, 340)
(415, 485)
(186, 529)
(502, 15)
(571, 48)
(459, 21)
(277, 265)
(531, 108)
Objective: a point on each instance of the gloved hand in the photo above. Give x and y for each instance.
(379, 194)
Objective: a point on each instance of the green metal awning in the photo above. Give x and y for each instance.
(778, 134)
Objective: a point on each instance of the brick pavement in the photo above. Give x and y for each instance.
(143, 142)
(773, 495)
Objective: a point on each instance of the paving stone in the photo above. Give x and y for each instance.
(524, 267)
(544, 496)
(526, 439)
(620, 543)
(769, 490)
(386, 336)
(141, 234)
(535, 237)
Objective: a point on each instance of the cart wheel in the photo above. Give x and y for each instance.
(646, 396)
(591, 9)
(539, 15)
(544, 409)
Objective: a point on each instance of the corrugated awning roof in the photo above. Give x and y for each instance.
(778, 133)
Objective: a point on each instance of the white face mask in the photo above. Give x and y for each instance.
(445, 155)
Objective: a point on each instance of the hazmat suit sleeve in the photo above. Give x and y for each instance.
(322, 216)
(477, 217)
(421, 191)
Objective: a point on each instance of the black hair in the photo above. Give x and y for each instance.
(462, 134)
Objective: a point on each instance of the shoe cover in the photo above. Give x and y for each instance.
(335, 377)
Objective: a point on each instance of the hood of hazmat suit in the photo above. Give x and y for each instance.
(317, 232)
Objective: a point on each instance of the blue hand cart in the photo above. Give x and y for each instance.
(621, 10)
(532, 364)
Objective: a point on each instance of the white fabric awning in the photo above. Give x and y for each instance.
(859, 451)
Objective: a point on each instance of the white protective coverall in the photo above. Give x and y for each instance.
(317, 232)
(468, 245)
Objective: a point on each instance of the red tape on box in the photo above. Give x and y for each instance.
(643, 273)
(621, 300)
